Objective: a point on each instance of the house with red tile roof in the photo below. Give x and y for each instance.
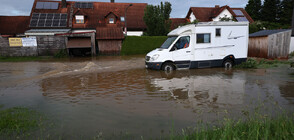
(98, 26)
(206, 14)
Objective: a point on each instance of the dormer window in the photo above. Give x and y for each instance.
(122, 19)
(80, 19)
(111, 20)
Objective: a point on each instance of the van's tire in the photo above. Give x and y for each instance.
(228, 63)
(168, 66)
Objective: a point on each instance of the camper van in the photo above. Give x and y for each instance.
(202, 45)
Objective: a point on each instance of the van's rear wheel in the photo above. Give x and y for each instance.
(168, 67)
(228, 63)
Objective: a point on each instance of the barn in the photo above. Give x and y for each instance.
(270, 44)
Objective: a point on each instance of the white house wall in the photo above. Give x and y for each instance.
(134, 33)
(223, 14)
(291, 45)
(192, 17)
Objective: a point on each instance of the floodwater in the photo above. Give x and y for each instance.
(112, 96)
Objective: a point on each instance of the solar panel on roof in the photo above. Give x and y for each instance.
(40, 5)
(238, 12)
(83, 5)
(34, 23)
(241, 19)
(48, 23)
(54, 5)
(56, 16)
(63, 16)
(41, 23)
(63, 23)
(49, 16)
(47, 5)
(48, 20)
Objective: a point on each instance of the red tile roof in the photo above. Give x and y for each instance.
(205, 14)
(11, 25)
(176, 22)
(109, 33)
(96, 16)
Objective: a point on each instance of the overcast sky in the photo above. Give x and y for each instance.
(179, 7)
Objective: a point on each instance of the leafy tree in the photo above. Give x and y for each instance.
(226, 18)
(253, 9)
(157, 20)
(286, 11)
(270, 10)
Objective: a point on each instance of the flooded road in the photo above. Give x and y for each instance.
(116, 95)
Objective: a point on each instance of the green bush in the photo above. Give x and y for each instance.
(250, 63)
(141, 45)
(61, 54)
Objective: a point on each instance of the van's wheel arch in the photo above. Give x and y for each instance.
(168, 66)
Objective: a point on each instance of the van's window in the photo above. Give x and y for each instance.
(168, 42)
(203, 38)
(217, 32)
(182, 42)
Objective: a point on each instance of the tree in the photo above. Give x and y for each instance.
(270, 10)
(157, 19)
(286, 11)
(253, 9)
(226, 18)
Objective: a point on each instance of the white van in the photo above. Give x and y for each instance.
(202, 45)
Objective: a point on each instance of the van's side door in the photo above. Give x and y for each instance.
(181, 52)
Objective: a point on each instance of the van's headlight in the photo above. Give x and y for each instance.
(154, 57)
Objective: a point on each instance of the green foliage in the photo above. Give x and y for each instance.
(61, 54)
(157, 19)
(270, 10)
(18, 120)
(250, 63)
(286, 11)
(253, 9)
(262, 25)
(263, 63)
(141, 45)
(260, 127)
(226, 18)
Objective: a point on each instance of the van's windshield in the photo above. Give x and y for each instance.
(168, 42)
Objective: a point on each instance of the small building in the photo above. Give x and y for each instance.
(206, 14)
(270, 44)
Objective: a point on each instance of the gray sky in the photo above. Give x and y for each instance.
(179, 7)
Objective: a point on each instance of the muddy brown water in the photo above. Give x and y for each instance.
(115, 95)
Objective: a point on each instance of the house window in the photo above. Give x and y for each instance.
(80, 19)
(217, 32)
(203, 38)
(111, 20)
(122, 19)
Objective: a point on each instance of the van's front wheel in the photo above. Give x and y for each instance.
(168, 66)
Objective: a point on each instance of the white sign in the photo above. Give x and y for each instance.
(29, 42)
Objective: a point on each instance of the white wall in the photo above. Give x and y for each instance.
(222, 14)
(134, 33)
(192, 17)
(291, 45)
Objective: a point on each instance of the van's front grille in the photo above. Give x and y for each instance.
(147, 58)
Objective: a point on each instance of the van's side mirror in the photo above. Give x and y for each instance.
(173, 48)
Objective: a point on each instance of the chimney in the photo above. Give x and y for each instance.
(216, 6)
(112, 1)
(63, 3)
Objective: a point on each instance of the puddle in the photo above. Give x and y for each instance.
(114, 95)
